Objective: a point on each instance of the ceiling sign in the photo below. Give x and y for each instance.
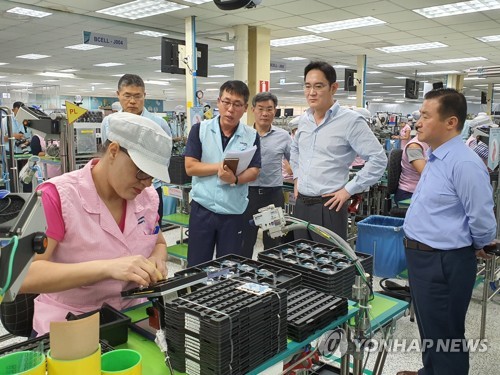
(104, 40)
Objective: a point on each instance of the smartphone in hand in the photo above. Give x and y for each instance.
(232, 164)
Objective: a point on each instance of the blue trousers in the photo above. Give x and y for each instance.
(208, 230)
(441, 284)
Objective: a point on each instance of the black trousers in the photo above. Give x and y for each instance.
(317, 213)
(258, 198)
(441, 284)
(208, 230)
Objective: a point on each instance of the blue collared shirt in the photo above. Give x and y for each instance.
(321, 154)
(16, 128)
(452, 206)
(274, 146)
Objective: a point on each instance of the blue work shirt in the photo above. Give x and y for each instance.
(274, 146)
(164, 125)
(452, 206)
(16, 128)
(321, 154)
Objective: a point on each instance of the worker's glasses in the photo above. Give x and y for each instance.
(316, 87)
(227, 104)
(140, 175)
(136, 97)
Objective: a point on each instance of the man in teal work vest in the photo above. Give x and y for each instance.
(219, 196)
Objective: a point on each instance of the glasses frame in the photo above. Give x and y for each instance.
(317, 87)
(140, 175)
(228, 104)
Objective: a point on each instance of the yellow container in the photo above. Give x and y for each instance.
(121, 362)
(23, 363)
(90, 365)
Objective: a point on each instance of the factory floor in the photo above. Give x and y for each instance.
(481, 362)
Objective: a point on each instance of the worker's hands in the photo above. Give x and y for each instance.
(338, 199)
(160, 265)
(134, 268)
(226, 174)
(395, 137)
(482, 254)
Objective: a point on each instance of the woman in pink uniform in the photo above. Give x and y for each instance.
(404, 133)
(102, 225)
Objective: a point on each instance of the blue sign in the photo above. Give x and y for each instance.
(104, 40)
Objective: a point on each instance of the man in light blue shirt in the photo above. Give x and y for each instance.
(131, 95)
(268, 187)
(325, 145)
(450, 219)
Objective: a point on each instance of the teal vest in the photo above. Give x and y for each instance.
(210, 191)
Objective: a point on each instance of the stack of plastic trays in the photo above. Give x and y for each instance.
(323, 267)
(310, 310)
(220, 329)
(236, 266)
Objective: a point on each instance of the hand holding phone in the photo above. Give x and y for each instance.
(232, 164)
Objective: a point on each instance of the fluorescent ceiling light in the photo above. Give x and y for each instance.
(373, 83)
(391, 87)
(28, 12)
(297, 40)
(439, 72)
(223, 65)
(141, 9)
(401, 77)
(399, 101)
(32, 56)
(21, 84)
(3, 77)
(50, 80)
(96, 83)
(381, 92)
(485, 85)
(411, 47)
(290, 83)
(294, 58)
(57, 75)
(83, 47)
(343, 25)
(208, 83)
(464, 59)
(490, 38)
(198, 1)
(351, 97)
(295, 90)
(473, 78)
(378, 100)
(229, 48)
(374, 72)
(402, 64)
(159, 83)
(170, 79)
(108, 65)
(117, 75)
(154, 34)
(218, 76)
(211, 89)
(68, 70)
(278, 71)
(340, 66)
(154, 57)
(1, 63)
(458, 8)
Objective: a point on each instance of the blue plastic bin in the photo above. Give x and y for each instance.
(391, 144)
(382, 237)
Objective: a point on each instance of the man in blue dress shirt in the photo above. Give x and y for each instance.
(449, 221)
(327, 141)
(268, 187)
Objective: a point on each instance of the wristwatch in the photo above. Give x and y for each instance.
(235, 181)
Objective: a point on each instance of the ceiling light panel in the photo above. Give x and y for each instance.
(57, 74)
(229, 48)
(438, 73)
(141, 9)
(297, 40)
(198, 1)
(464, 59)
(399, 65)
(218, 76)
(109, 64)
(83, 47)
(455, 9)
(489, 38)
(68, 70)
(411, 47)
(343, 25)
(28, 12)
(294, 58)
(153, 34)
(223, 65)
(32, 56)
(2, 63)
(154, 57)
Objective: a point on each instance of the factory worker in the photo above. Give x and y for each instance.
(102, 225)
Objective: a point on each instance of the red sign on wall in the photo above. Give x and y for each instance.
(263, 86)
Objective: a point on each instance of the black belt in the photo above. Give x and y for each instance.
(415, 245)
(308, 201)
(262, 190)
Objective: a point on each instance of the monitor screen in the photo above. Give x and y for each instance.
(170, 57)
(278, 112)
(411, 89)
(288, 112)
(349, 80)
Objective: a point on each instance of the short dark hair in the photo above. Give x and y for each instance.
(17, 104)
(264, 97)
(235, 87)
(130, 80)
(451, 103)
(327, 69)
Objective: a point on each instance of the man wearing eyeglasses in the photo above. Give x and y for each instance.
(131, 95)
(219, 197)
(268, 187)
(325, 145)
